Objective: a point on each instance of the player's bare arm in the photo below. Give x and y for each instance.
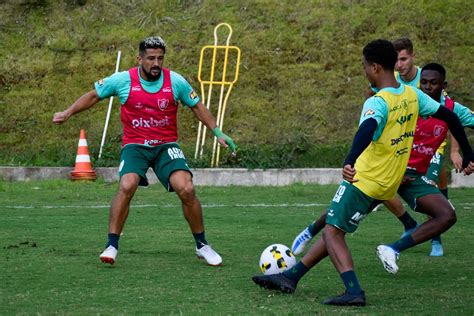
(456, 157)
(83, 103)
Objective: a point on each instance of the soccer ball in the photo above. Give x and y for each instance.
(276, 258)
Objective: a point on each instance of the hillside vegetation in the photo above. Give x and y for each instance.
(300, 87)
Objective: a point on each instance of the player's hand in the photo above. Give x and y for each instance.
(407, 180)
(224, 140)
(457, 161)
(469, 169)
(468, 164)
(348, 173)
(60, 117)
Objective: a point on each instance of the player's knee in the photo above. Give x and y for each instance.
(449, 218)
(186, 192)
(127, 188)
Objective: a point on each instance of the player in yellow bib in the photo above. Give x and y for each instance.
(372, 171)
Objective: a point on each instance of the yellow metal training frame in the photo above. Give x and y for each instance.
(223, 83)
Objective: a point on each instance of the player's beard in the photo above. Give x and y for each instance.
(149, 74)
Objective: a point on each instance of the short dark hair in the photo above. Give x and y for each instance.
(436, 67)
(381, 52)
(403, 43)
(151, 42)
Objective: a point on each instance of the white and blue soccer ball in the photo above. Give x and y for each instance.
(276, 258)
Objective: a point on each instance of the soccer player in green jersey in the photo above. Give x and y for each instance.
(149, 95)
(372, 171)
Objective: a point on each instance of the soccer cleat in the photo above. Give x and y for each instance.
(436, 249)
(277, 282)
(109, 255)
(347, 299)
(409, 231)
(301, 241)
(207, 253)
(388, 257)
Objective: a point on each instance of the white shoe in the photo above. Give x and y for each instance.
(389, 258)
(436, 249)
(109, 255)
(207, 253)
(301, 241)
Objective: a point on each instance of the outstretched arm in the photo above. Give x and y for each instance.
(457, 131)
(205, 116)
(83, 103)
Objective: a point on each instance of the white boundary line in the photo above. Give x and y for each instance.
(261, 205)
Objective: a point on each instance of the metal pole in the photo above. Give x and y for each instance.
(109, 110)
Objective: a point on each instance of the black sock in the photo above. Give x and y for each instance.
(436, 238)
(402, 244)
(113, 240)
(200, 239)
(407, 221)
(313, 230)
(297, 272)
(350, 282)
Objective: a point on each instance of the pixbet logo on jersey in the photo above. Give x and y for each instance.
(151, 122)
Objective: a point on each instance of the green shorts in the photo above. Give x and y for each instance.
(435, 167)
(348, 207)
(419, 187)
(163, 159)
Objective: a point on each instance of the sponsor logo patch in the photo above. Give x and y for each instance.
(369, 112)
(193, 95)
(438, 130)
(100, 82)
(162, 103)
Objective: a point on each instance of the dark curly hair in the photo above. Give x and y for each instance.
(381, 52)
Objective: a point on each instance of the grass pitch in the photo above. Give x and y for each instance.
(52, 232)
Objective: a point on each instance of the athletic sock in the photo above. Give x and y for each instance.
(113, 241)
(403, 243)
(445, 192)
(200, 240)
(407, 221)
(297, 272)
(313, 230)
(436, 239)
(350, 282)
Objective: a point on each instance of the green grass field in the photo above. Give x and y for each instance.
(52, 232)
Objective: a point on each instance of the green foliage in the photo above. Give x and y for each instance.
(52, 232)
(300, 86)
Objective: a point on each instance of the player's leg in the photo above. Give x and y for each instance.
(342, 214)
(303, 239)
(426, 198)
(396, 207)
(173, 172)
(182, 183)
(442, 217)
(132, 171)
(437, 173)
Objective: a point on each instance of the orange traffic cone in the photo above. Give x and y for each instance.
(83, 169)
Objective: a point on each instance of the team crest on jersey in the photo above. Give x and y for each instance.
(369, 112)
(192, 95)
(162, 103)
(438, 130)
